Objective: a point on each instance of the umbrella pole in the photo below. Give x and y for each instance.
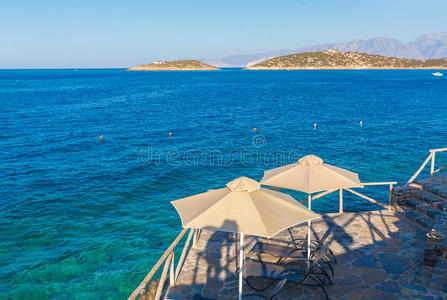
(241, 264)
(308, 232)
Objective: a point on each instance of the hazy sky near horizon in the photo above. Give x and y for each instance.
(119, 33)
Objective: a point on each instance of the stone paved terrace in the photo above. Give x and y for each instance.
(379, 257)
(436, 184)
(425, 203)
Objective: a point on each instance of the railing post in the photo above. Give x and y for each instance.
(390, 197)
(154, 269)
(341, 201)
(241, 264)
(421, 168)
(182, 257)
(161, 283)
(432, 168)
(171, 271)
(195, 238)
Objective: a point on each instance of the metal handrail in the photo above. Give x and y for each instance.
(440, 169)
(367, 198)
(431, 157)
(389, 183)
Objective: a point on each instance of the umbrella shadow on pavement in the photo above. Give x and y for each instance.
(220, 258)
(379, 256)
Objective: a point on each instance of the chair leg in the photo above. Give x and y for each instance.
(333, 255)
(325, 279)
(326, 274)
(325, 292)
(254, 294)
(277, 289)
(278, 261)
(330, 266)
(257, 288)
(319, 283)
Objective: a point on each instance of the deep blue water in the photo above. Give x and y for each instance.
(84, 218)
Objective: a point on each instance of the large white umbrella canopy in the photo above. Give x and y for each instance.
(242, 207)
(309, 175)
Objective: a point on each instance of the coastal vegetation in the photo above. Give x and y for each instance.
(333, 59)
(177, 65)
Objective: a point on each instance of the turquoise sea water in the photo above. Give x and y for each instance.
(84, 218)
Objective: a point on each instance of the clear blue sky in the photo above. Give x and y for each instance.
(121, 33)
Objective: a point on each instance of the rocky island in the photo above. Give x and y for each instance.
(333, 59)
(177, 65)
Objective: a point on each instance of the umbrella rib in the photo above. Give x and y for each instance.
(200, 213)
(259, 214)
(311, 219)
(286, 205)
(282, 173)
(209, 207)
(329, 167)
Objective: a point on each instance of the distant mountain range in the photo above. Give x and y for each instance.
(429, 46)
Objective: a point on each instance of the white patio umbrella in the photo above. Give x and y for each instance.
(310, 175)
(242, 207)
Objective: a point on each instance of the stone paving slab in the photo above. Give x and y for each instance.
(436, 184)
(426, 204)
(379, 257)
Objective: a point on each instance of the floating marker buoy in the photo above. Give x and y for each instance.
(170, 134)
(315, 125)
(101, 137)
(254, 129)
(361, 123)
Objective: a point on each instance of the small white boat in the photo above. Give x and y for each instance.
(437, 74)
